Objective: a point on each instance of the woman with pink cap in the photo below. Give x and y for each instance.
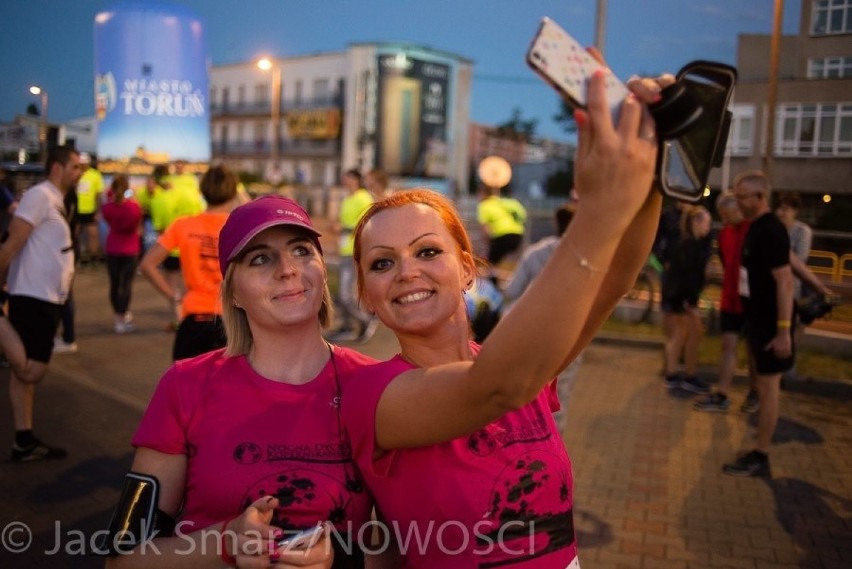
(245, 445)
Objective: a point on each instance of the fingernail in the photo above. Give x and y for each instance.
(580, 118)
(275, 556)
(657, 98)
(278, 534)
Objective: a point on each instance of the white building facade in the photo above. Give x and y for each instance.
(304, 120)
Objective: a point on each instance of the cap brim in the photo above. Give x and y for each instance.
(238, 248)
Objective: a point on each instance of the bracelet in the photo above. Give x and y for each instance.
(783, 323)
(584, 261)
(229, 559)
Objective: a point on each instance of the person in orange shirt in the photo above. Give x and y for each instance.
(197, 239)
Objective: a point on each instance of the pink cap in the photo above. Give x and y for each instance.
(250, 219)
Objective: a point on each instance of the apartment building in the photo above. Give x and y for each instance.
(400, 107)
(812, 146)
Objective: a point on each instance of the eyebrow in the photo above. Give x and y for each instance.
(413, 241)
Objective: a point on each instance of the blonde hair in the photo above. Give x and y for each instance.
(235, 321)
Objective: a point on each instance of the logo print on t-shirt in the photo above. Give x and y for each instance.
(534, 489)
(302, 493)
(248, 453)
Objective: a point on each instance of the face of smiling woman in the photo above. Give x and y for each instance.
(279, 279)
(413, 270)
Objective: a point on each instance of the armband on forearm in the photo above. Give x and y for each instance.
(136, 518)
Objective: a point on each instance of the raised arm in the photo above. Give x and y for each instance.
(614, 171)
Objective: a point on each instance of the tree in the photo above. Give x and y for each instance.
(32, 109)
(561, 182)
(565, 117)
(516, 128)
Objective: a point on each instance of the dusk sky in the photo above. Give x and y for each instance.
(50, 42)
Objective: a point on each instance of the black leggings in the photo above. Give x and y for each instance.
(121, 270)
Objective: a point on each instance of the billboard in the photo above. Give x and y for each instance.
(151, 84)
(411, 109)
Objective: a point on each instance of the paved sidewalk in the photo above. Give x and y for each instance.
(649, 487)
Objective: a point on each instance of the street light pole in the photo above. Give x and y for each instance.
(266, 64)
(600, 26)
(42, 137)
(772, 95)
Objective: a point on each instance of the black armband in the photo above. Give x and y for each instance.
(136, 518)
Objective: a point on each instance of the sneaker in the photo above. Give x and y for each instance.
(62, 347)
(694, 384)
(368, 330)
(718, 402)
(751, 403)
(754, 463)
(37, 451)
(124, 327)
(672, 381)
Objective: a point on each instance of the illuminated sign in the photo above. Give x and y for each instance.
(313, 123)
(151, 86)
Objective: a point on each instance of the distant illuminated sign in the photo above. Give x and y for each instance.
(313, 123)
(412, 114)
(151, 87)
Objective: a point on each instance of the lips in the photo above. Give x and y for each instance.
(288, 295)
(414, 297)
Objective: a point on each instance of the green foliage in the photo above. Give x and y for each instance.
(561, 182)
(565, 117)
(516, 128)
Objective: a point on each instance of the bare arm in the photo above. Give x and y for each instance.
(152, 259)
(19, 232)
(801, 270)
(633, 250)
(527, 348)
(782, 342)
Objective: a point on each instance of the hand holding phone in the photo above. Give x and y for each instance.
(561, 61)
(304, 539)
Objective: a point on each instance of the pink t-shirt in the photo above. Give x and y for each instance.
(246, 437)
(123, 220)
(501, 496)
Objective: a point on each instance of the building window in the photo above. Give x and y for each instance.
(213, 97)
(321, 91)
(261, 93)
(297, 92)
(241, 96)
(831, 17)
(829, 67)
(823, 129)
(741, 135)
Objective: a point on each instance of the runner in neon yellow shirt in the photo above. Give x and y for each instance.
(352, 208)
(89, 191)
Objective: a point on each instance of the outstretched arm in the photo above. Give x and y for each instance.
(614, 171)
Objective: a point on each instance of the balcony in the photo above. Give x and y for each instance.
(263, 108)
(297, 148)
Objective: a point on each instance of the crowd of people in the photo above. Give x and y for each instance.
(315, 432)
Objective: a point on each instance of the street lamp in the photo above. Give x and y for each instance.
(266, 64)
(42, 136)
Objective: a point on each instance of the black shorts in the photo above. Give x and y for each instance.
(85, 218)
(171, 264)
(765, 361)
(731, 323)
(677, 305)
(36, 322)
(198, 334)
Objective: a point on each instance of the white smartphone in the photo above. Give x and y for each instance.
(561, 61)
(303, 539)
